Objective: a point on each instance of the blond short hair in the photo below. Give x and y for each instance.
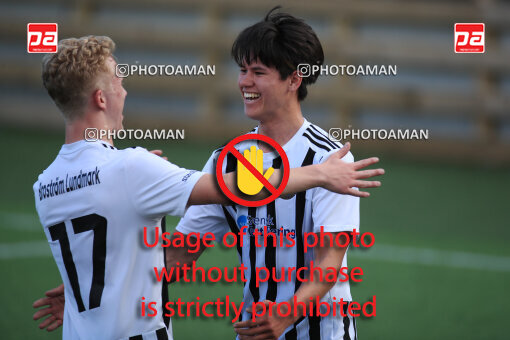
(72, 73)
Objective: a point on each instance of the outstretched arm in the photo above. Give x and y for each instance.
(334, 174)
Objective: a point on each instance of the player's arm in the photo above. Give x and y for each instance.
(271, 327)
(334, 175)
(178, 256)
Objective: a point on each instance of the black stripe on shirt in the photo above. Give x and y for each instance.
(161, 334)
(231, 160)
(320, 136)
(270, 255)
(300, 251)
(346, 323)
(355, 330)
(164, 290)
(252, 214)
(235, 229)
(314, 327)
(231, 163)
(335, 144)
(277, 162)
(300, 213)
(292, 333)
(231, 167)
(316, 143)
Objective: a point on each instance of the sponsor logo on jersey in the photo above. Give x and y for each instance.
(188, 175)
(258, 223)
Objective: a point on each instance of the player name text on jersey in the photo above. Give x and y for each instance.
(72, 182)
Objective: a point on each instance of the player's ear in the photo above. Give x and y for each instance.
(99, 99)
(294, 81)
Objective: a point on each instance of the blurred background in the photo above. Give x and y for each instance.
(440, 267)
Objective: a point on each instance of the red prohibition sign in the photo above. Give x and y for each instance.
(275, 193)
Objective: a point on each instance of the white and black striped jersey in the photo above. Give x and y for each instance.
(304, 212)
(93, 202)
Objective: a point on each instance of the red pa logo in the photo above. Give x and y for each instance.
(470, 38)
(42, 38)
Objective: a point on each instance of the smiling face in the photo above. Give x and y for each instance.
(265, 94)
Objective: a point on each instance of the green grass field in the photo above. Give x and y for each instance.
(440, 271)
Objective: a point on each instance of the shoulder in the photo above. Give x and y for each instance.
(318, 140)
(240, 146)
(140, 158)
(135, 152)
(219, 149)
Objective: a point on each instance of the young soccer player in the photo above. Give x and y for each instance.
(268, 54)
(94, 200)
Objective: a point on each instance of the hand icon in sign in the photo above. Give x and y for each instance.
(246, 181)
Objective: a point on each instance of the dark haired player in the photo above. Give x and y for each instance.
(94, 229)
(268, 54)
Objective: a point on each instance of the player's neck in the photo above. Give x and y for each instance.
(86, 128)
(281, 128)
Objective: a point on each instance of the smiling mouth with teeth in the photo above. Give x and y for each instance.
(251, 96)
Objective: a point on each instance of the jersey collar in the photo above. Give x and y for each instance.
(81, 144)
(295, 137)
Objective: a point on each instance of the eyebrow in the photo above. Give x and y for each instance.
(257, 68)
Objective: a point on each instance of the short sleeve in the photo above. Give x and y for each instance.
(156, 186)
(205, 218)
(335, 212)
(210, 166)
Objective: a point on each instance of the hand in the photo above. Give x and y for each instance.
(343, 177)
(246, 181)
(159, 153)
(265, 327)
(54, 302)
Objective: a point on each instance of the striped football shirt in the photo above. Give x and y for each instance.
(305, 212)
